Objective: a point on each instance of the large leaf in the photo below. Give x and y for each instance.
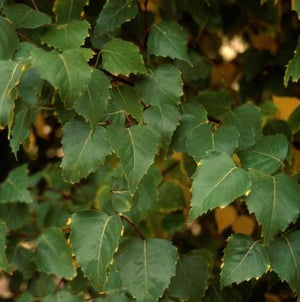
(53, 255)
(94, 238)
(216, 182)
(192, 274)
(92, 104)
(114, 14)
(63, 296)
(66, 10)
(122, 57)
(24, 16)
(146, 267)
(8, 40)
(243, 259)
(275, 202)
(293, 67)
(84, 150)
(162, 86)
(4, 265)
(11, 73)
(67, 72)
(284, 254)
(167, 39)
(14, 187)
(267, 155)
(136, 147)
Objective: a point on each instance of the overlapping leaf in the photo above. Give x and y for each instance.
(4, 265)
(66, 10)
(63, 296)
(293, 67)
(8, 40)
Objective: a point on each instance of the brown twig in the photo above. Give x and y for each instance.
(121, 79)
(130, 222)
(24, 37)
(34, 5)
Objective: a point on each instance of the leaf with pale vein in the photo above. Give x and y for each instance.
(4, 265)
(63, 296)
(67, 10)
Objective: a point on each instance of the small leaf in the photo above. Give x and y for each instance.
(243, 259)
(122, 57)
(114, 14)
(92, 104)
(216, 182)
(23, 16)
(136, 147)
(167, 39)
(275, 202)
(4, 265)
(8, 41)
(84, 150)
(66, 36)
(94, 238)
(14, 187)
(293, 67)
(146, 267)
(66, 10)
(284, 254)
(267, 155)
(53, 255)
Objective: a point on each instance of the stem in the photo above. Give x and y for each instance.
(130, 222)
(24, 37)
(145, 25)
(121, 79)
(34, 5)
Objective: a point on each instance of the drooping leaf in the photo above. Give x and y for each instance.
(216, 182)
(11, 73)
(126, 98)
(23, 16)
(92, 104)
(66, 10)
(114, 14)
(146, 267)
(162, 86)
(243, 259)
(167, 39)
(293, 67)
(94, 238)
(122, 57)
(15, 186)
(267, 155)
(284, 254)
(4, 265)
(136, 147)
(63, 296)
(67, 72)
(8, 41)
(66, 36)
(275, 202)
(53, 255)
(84, 150)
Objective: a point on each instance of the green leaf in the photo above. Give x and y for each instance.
(66, 36)
(284, 254)
(8, 41)
(167, 39)
(127, 99)
(23, 16)
(247, 119)
(11, 74)
(122, 57)
(114, 14)
(201, 139)
(66, 10)
(146, 267)
(94, 238)
(67, 72)
(216, 182)
(293, 67)
(14, 187)
(15, 215)
(92, 104)
(243, 259)
(53, 255)
(4, 265)
(162, 86)
(162, 119)
(277, 126)
(267, 155)
(136, 147)
(25, 297)
(63, 296)
(294, 120)
(270, 197)
(84, 150)
(192, 274)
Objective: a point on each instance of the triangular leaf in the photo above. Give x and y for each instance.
(216, 182)
(146, 267)
(84, 150)
(53, 255)
(136, 147)
(243, 259)
(94, 238)
(66, 10)
(4, 265)
(8, 40)
(293, 67)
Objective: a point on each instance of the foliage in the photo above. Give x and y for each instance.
(149, 150)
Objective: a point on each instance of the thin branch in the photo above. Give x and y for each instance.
(24, 37)
(34, 5)
(145, 31)
(121, 79)
(133, 225)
